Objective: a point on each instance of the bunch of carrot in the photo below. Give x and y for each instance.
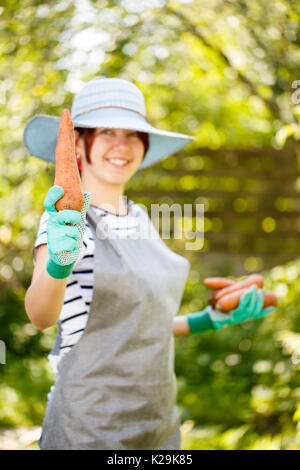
(226, 293)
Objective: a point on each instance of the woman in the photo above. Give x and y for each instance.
(114, 297)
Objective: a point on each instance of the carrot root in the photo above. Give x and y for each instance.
(66, 169)
(231, 301)
(256, 279)
(218, 282)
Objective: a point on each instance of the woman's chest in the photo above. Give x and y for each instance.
(132, 267)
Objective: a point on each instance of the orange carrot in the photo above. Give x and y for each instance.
(218, 282)
(231, 301)
(270, 299)
(247, 282)
(66, 170)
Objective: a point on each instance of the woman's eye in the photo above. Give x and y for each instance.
(109, 131)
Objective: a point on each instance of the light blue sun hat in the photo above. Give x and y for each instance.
(104, 102)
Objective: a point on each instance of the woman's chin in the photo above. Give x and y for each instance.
(113, 179)
(116, 176)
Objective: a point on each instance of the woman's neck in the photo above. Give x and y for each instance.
(105, 196)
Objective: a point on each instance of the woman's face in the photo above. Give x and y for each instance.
(115, 155)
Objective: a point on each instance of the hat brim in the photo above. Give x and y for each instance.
(41, 132)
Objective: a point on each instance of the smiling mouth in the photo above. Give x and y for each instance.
(117, 162)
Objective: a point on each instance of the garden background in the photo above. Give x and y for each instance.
(225, 72)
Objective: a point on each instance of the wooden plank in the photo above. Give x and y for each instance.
(289, 151)
(287, 174)
(180, 196)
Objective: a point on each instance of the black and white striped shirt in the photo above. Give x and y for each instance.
(79, 290)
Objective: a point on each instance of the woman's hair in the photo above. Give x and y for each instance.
(89, 135)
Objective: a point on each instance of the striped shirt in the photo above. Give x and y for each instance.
(79, 289)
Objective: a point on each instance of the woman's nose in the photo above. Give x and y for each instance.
(121, 139)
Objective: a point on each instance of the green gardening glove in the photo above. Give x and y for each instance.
(250, 307)
(64, 241)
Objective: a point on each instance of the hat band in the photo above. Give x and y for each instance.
(106, 106)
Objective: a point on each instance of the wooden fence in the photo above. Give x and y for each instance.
(251, 199)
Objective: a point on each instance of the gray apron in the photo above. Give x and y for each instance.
(116, 388)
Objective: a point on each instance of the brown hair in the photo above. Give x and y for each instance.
(89, 135)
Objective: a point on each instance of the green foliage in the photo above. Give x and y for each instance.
(26, 375)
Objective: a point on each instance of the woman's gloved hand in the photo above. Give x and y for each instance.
(250, 307)
(64, 241)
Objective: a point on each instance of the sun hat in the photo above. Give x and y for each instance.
(104, 102)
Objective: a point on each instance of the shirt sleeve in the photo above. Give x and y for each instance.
(41, 238)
